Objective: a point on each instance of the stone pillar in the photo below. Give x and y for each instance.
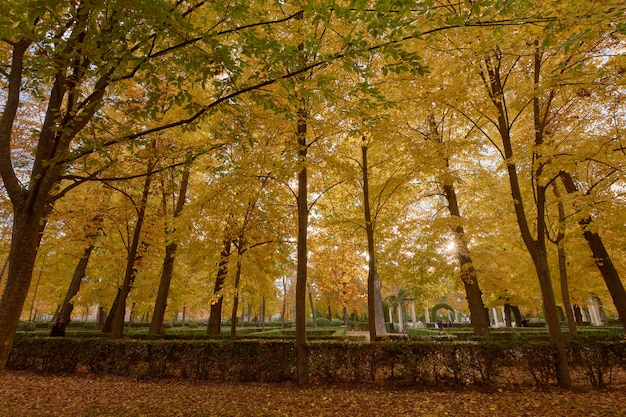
(413, 316)
(426, 315)
(495, 317)
(400, 319)
(595, 315)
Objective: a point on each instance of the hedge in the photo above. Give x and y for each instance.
(421, 363)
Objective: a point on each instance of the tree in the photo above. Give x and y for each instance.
(601, 256)
(156, 325)
(469, 276)
(77, 52)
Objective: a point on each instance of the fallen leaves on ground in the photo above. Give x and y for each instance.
(28, 394)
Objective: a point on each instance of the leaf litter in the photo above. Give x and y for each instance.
(29, 394)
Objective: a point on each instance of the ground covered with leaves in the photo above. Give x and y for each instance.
(29, 394)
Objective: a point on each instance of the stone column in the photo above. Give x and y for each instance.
(426, 315)
(413, 316)
(495, 317)
(595, 315)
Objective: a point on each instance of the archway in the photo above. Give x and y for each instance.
(437, 307)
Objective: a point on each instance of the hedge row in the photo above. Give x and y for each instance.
(599, 362)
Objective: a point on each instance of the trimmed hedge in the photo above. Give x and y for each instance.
(600, 362)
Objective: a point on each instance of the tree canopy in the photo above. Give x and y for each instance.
(244, 97)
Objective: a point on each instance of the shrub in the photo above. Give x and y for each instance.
(323, 322)
(336, 322)
(193, 324)
(400, 362)
(90, 325)
(26, 326)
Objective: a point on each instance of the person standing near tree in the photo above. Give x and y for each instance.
(58, 330)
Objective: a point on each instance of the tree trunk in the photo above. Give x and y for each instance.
(601, 256)
(560, 243)
(284, 309)
(5, 266)
(374, 298)
(117, 322)
(108, 320)
(243, 311)
(535, 246)
(578, 315)
(233, 316)
(29, 209)
(215, 317)
(313, 318)
(25, 240)
(473, 294)
(517, 315)
(79, 272)
(302, 366)
(167, 271)
(507, 315)
(31, 206)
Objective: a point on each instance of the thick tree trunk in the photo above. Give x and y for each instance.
(108, 321)
(160, 304)
(215, 318)
(31, 206)
(517, 315)
(5, 266)
(23, 253)
(601, 257)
